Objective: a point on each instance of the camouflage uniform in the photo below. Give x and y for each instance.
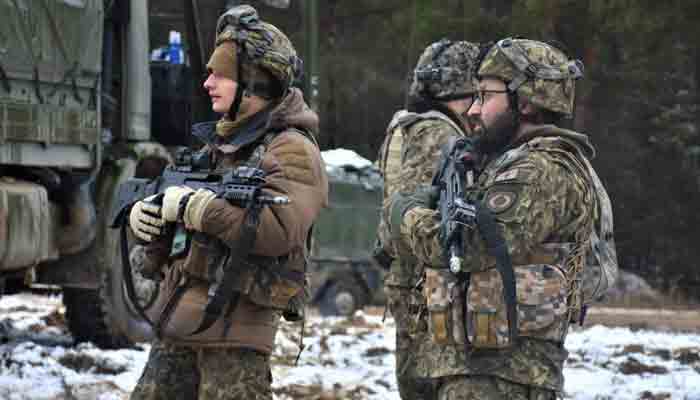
(230, 358)
(184, 373)
(407, 160)
(549, 203)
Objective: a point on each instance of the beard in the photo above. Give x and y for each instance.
(497, 135)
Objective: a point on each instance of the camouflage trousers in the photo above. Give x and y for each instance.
(411, 386)
(184, 373)
(489, 388)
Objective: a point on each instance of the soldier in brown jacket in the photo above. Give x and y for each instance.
(266, 126)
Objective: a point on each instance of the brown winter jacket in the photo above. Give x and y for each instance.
(294, 169)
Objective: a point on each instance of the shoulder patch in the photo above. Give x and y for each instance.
(523, 174)
(507, 176)
(500, 200)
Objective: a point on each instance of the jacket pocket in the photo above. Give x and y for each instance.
(541, 305)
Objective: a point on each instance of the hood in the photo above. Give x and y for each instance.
(291, 112)
(580, 140)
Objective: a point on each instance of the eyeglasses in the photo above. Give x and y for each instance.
(482, 96)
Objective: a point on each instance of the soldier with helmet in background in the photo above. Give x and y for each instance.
(441, 92)
(541, 217)
(254, 270)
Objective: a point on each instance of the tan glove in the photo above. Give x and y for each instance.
(195, 208)
(173, 199)
(145, 220)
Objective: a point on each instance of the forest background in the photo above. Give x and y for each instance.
(638, 101)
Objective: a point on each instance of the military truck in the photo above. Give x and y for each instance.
(82, 108)
(344, 277)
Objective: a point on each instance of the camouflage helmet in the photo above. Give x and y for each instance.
(535, 71)
(445, 71)
(259, 43)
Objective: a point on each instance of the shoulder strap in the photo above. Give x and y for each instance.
(438, 115)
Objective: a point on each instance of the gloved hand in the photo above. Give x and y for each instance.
(174, 202)
(400, 204)
(145, 219)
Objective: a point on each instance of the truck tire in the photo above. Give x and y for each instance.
(87, 321)
(101, 314)
(123, 317)
(87, 313)
(120, 314)
(342, 299)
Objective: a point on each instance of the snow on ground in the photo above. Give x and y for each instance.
(343, 359)
(342, 157)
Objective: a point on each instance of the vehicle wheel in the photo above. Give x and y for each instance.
(85, 307)
(342, 299)
(86, 320)
(122, 317)
(120, 310)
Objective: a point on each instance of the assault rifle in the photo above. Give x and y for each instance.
(240, 187)
(455, 175)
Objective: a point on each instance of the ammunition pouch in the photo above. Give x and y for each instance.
(474, 311)
(541, 303)
(444, 294)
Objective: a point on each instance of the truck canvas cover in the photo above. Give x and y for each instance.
(50, 64)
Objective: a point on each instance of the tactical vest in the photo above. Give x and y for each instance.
(560, 279)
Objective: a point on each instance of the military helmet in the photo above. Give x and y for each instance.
(259, 43)
(445, 71)
(535, 71)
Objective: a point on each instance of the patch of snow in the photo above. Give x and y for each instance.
(344, 358)
(342, 157)
(346, 166)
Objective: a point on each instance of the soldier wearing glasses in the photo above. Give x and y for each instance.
(552, 213)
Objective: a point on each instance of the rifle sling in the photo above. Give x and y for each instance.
(224, 293)
(498, 248)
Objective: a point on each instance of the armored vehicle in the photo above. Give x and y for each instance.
(82, 109)
(344, 277)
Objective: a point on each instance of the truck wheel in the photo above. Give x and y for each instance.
(86, 320)
(122, 315)
(342, 299)
(86, 314)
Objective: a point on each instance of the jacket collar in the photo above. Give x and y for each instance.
(249, 132)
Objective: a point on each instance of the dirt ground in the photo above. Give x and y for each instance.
(645, 318)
